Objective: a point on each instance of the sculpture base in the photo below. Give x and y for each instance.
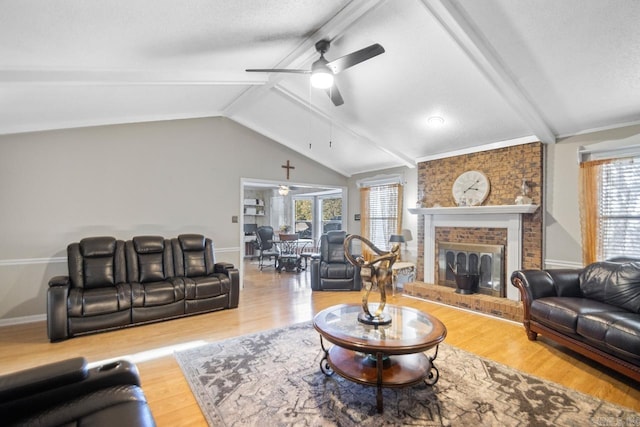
(383, 319)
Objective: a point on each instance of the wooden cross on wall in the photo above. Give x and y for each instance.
(288, 167)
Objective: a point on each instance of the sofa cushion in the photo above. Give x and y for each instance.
(192, 242)
(624, 336)
(613, 283)
(151, 267)
(207, 286)
(148, 244)
(336, 271)
(99, 272)
(594, 326)
(561, 313)
(94, 302)
(91, 247)
(156, 293)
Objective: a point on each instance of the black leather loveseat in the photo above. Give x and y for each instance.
(113, 283)
(68, 393)
(594, 311)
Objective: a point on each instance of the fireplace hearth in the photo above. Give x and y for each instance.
(483, 260)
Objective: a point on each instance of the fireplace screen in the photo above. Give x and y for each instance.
(467, 258)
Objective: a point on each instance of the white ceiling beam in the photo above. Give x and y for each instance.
(481, 53)
(128, 77)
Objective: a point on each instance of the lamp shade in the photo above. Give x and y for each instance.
(321, 75)
(406, 233)
(396, 238)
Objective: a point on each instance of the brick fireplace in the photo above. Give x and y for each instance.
(496, 225)
(498, 221)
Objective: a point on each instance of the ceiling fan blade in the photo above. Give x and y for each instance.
(335, 95)
(354, 58)
(277, 70)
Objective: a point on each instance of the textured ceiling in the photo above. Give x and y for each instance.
(495, 70)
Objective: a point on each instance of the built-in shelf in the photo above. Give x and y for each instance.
(473, 210)
(253, 207)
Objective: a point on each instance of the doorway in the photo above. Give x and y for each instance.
(305, 209)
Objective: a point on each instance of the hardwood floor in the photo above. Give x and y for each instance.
(270, 300)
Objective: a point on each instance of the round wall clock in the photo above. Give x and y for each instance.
(471, 188)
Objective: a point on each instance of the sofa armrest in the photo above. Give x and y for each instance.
(315, 274)
(34, 380)
(533, 284)
(57, 315)
(36, 389)
(234, 276)
(223, 267)
(60, 281)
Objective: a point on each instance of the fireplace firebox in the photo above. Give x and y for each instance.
(467, 258)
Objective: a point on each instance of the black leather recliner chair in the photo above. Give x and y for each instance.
(68, 393)
(332, 271)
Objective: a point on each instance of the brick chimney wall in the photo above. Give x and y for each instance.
(505, 168)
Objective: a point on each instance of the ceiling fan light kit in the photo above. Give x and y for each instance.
(321, 76)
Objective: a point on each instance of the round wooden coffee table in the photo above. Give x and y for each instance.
(382, 356)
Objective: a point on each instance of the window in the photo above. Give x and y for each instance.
(381, 213)
(317, 213)
(331, 208)
(610, 208)
(304, 218)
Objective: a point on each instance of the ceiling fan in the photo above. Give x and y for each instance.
(322, 71)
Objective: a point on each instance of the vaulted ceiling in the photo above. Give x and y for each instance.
(494, 70)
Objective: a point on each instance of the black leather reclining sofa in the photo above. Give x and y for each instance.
(594, 311)
(114, 284)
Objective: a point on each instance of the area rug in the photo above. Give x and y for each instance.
(273, 378)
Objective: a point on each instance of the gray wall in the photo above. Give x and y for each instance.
(562, 218)
(162, 178)
(181, 176)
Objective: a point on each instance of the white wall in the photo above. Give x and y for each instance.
(162, 178)
(410, 193)
(562, 219)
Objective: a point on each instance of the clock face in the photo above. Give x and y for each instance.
(471, 188)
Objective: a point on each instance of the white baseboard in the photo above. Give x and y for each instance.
(22, 320)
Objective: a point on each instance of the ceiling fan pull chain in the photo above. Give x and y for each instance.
(330, 128)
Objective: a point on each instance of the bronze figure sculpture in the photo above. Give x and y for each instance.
(375, 273)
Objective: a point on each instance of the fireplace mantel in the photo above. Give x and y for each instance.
(475, 210)
(503, 216)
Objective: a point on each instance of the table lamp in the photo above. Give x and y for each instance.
(406, 233)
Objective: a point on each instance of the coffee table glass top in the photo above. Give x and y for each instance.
(410, 330)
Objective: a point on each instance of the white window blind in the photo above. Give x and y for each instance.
(620, 208)
(383, 214)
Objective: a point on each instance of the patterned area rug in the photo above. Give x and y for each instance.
(273, 378)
